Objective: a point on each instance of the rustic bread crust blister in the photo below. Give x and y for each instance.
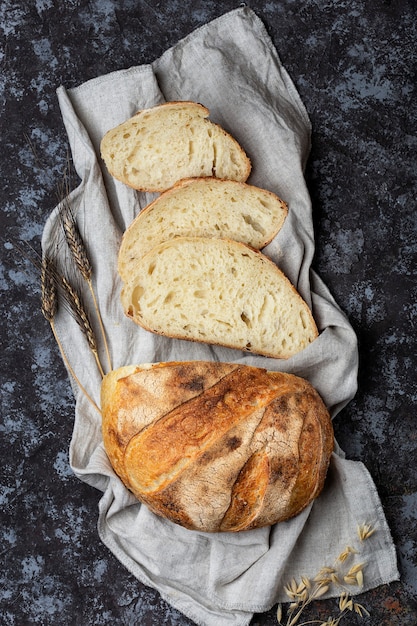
(216, 446)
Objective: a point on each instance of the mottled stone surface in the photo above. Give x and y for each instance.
(354, 66)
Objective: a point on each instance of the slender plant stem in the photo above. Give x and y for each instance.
(73, 374)
(50, 280)
(97, 358)
(102, 329)
(80, 256)
(73, 299)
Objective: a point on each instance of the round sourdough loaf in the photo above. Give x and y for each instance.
(216, 446)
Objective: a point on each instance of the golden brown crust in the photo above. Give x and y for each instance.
(156, 455)
(217, 446)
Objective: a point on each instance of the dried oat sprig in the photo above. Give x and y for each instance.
(365, 531)
(49, 307)
(80, 256)
(355, 575)
(302, 593)
(344, 555)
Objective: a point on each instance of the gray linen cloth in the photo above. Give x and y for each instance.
(231, 66)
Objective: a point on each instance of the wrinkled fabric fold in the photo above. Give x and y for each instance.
(231, 66)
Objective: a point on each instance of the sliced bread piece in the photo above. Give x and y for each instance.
(155, 148)
(218, 291)
(203, 207)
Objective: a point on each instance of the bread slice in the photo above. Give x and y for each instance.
(159, 146)
(218, 291)
(216, 446)
(203, 207)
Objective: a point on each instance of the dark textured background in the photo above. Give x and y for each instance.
(354, 66)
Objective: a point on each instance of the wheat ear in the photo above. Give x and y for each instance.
(74, 301)
(49, 306)
(79, 254)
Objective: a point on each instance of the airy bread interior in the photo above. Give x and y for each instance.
(155, 148)
(218, 291)
(203, 207)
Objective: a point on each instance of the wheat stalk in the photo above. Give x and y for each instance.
(49, 307)
(79, 254)
(72, 298)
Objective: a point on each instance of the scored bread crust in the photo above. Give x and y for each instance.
(203, 207)
(216, 446)
(218, 291)
(163, 144)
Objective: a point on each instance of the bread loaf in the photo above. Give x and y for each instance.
(159, 146)
(203, 207)
(216, 446)
(221, 292)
